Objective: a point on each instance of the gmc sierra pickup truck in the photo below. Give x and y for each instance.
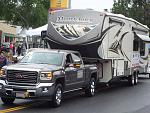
(46, 75)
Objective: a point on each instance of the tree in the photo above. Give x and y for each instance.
(136, 9)
(27, 13)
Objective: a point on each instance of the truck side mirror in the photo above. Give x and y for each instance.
(77, 63)
(69, 65)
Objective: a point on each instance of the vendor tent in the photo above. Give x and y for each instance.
(36, 31)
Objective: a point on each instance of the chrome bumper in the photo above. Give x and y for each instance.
(37, 91)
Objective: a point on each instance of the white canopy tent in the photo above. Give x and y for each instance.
(36, 31)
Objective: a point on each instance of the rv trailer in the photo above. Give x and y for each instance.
(117, 43)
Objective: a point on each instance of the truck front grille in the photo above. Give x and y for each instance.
(18, 76)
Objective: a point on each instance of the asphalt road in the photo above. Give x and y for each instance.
(120, 98)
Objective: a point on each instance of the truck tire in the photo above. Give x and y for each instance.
(57, 96)
(90, 89)
(131, 80)
(135, 79)
(8, 100)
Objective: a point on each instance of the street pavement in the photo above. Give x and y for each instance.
(119, 98)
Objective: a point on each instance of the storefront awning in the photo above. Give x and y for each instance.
(8, 35)
(144, 38)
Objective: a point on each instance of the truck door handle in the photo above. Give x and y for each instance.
(74, 70)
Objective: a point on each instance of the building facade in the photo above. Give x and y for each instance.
(7, 32)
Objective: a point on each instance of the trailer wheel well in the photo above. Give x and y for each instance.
(61, 81)
(138, 72)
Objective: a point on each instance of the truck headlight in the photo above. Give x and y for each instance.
(46, 75)
(2, 72)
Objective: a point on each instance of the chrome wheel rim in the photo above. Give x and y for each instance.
(58, 96)
(136, 79)
(132, 79)
(92, 87)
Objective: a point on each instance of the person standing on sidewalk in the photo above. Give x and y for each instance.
(3, 60)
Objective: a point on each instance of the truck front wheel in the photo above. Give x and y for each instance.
(90, 89)
(57, 97)
(8, 100)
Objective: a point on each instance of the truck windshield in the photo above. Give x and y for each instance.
(51, 58)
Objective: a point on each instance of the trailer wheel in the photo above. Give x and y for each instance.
(90, 90)
(149, 76)
(57, 97)
(8, 100)
(135, 78)
(131, 80)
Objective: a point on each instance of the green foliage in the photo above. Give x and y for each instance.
(136, 9)
(27, 13)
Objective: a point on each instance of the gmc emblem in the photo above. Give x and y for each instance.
(19, 76)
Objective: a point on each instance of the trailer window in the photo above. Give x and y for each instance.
(135, 45)
(142, 48)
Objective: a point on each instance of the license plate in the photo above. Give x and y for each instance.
(20, 94)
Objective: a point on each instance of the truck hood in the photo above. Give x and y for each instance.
(33, 67)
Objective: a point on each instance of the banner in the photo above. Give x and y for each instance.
(59, 4)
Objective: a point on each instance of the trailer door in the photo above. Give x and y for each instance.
(118, 66)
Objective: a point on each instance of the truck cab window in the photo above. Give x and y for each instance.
(69, 59)
(142, 48)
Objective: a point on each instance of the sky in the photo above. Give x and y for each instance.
(98, 5)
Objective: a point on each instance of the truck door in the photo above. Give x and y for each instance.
(70, 73)
(78, 65)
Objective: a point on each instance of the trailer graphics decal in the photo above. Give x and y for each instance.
(99, 38)
(74, 19)
(116, 47)
(72, 31)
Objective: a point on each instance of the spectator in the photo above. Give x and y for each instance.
(3, 60)
(9, 58)
(14, 50)
(18, 50)
(23, 48)
(11, 47)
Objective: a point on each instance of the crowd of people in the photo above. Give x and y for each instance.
(7, 53)
(5, 59)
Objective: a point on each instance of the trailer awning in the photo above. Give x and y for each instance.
(144, 38)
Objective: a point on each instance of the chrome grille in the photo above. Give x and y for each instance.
(19, 76)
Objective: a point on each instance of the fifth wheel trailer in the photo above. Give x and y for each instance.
(117, 43)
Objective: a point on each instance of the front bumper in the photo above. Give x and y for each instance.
(39, 91)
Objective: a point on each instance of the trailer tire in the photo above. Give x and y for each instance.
(8, 100)
(131, 80)
(90, 89)
(149, 76)
(135, 78)
(57, 96)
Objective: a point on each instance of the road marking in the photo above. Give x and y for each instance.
(14, 109)
(19, 107)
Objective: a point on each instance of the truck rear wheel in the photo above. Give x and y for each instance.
(90, 90)
(8, 100)
(57, 97)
